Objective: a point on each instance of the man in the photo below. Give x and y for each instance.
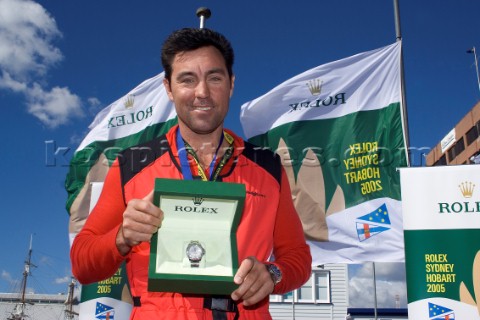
(199, 80)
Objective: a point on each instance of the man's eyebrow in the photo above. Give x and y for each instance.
(184, 74)
(217, 70)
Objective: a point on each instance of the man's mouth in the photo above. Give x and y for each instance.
(203, 108)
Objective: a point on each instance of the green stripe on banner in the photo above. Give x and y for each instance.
(86, 158)
(438, 266)
(112, 287)
(359, 152)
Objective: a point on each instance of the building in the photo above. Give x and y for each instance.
(36, 307)
(461, 145)
(323, 297)
(382, 314)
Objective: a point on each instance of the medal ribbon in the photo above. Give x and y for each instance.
(184, 148)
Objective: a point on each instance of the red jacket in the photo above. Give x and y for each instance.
(269, 226)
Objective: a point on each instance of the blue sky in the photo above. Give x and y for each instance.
(63, 61)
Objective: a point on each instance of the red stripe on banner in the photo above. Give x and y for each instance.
(366, 229)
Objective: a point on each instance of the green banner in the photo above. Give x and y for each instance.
(441, 208)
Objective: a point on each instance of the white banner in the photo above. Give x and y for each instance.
(339, 131)
(145, 105)
(441, 208)
(366, 81)
(141, 115)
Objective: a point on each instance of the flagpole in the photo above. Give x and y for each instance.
(398, 34)
(476, 64)
(374, 291)
(203, 14)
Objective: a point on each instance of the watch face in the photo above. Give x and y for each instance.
(275, 273)
(195, 251)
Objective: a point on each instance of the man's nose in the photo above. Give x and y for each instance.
(202, 90)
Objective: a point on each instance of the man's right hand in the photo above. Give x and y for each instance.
(141, 219)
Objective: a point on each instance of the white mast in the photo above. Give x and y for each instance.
(69, 313)
(19, 310)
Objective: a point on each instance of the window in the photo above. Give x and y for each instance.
(322, 287)
(475, 158)
(451, 153)
(441, 162)
(472, 134)
(459, 146)
(305, 293)
(315, 290)
(456, 149)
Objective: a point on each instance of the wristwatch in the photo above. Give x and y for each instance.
(275, 273)
(195, 253)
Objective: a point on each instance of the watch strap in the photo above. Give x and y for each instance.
(275, 273)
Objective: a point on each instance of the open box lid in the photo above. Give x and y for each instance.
(200, 213)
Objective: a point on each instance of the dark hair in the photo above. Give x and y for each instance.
(188, 39)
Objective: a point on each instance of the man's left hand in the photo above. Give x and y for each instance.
(254, 280)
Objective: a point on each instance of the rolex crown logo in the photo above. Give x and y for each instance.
(315, 86)
(467, 189)
(197, 201)
(129, 101)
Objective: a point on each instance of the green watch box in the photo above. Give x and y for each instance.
(195, 250)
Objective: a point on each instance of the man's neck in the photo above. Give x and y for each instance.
(204, 145)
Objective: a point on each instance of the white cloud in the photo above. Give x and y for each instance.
(66, 279)
(27, 32)
(7, 82)
(6, 276)
(54, 107)
(93, 102)
(94, 105)
(13, 284)
(390, 285)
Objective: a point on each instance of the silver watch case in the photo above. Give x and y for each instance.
(195, 252)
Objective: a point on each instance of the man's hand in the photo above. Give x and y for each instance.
(141, 219)
(254, 280)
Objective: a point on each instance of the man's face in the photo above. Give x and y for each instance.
(201, 89)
